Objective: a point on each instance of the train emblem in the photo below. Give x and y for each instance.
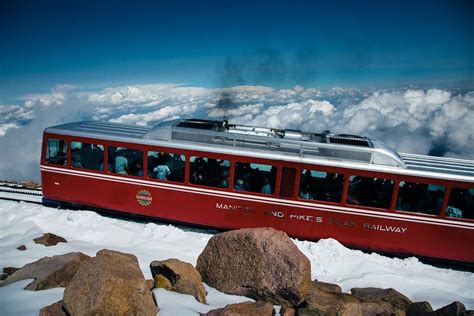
(144, 198)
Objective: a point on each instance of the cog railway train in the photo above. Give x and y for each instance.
(228, 176)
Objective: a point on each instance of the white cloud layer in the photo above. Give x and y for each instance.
(410, 120)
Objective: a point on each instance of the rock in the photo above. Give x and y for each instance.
(161, 282)
(49, 239)
(182, 276)
(455, 308)
(260, 263)
(55, 309)
(419, 308)
(468, 313)
(3, 276)
(150, 284)
(30, 184)
(109, 284)
(21, 248)
(321, 301)
(287, 311)
(10, 270)
(327, 287)
(49, 272)
(258, 308)
(393, 298)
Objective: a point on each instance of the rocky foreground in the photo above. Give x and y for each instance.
(262, 263)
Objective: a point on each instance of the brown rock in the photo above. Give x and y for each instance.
(161, 282)
(10, 270)
(150, 284)
(109, 284)
(468, 313)
(455, 308)
(3, 276)
(182, 276)
(385, 297)
(287, 311)
(258, 308)
(327, 287)
(321, 301)
(49, 239)
(260, 263)
(21, 248)
(49, 272)
(30, 184)
(55, 309)
(419, 308)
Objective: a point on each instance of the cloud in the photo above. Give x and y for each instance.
(409, 120)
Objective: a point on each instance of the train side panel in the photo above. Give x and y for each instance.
(405, 234)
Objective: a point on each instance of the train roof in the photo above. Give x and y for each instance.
(342, 150)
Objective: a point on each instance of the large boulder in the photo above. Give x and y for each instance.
(258, 308)
(260, 263)
(109, 284)
(49, 240)
(49, 272)
(182, 276)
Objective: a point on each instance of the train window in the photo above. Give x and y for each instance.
(165, 166)
(420, 197)
(125, 161)
(367, 191)
(210, 172)
(87, 156)
(461, 203)
(56, 152)
(254, 177)
(320, 185)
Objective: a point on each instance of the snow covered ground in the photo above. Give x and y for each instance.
(89, 232)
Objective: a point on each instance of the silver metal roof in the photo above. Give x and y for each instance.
(348, 151)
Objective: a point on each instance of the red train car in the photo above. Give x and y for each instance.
(310, 185)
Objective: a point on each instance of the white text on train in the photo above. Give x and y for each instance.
(238, 208)
(300, 217)
(386, 228)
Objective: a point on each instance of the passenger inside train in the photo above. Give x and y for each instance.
(253, 177)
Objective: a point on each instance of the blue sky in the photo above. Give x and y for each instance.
(94, 44)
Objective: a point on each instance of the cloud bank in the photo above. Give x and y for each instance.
(417, 121)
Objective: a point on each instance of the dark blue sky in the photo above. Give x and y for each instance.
(95, 44)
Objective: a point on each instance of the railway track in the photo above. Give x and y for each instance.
(19, 193)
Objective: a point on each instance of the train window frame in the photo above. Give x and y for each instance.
(236, 185)
(453, 208)
(388, 198)
(398, 209)
(327, 172)
(65, 148)
(75, 165)
(112, 164)
(222, 179)
(183, 160)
